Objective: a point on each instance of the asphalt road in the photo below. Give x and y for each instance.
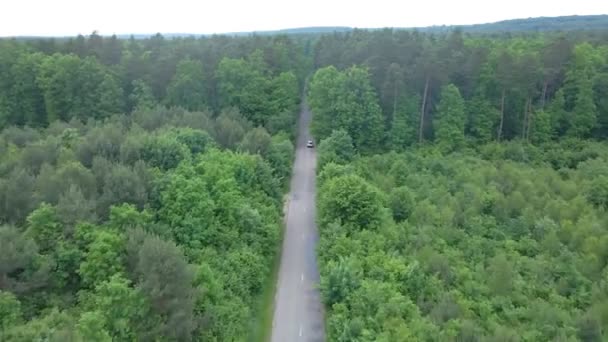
(298, 312)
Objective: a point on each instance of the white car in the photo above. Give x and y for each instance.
(310, 144)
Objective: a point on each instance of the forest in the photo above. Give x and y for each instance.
(462, 185)
(141, 185)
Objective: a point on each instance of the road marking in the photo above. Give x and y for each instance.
(302, 278)
(300, 330)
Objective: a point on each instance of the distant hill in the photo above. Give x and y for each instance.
(540, 24)
(565, 23)
(544, 24)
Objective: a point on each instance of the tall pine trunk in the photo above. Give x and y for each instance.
(422, 110)
(543, 98)
(502, 113)
(524, 127)
(395, 101)
(530, 113)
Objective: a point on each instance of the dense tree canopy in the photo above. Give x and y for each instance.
(462, 178)
(480, 214)
(133, 204)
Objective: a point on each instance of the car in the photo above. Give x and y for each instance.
(310, 144)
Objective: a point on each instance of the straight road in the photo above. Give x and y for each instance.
(298, 313)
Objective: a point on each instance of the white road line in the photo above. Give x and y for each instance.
(300, 330)
(302, 278)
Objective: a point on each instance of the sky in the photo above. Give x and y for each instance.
(72, 17)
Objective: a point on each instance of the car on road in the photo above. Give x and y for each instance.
(310, 144)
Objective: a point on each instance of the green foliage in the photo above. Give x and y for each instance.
(473, 246)
(44, 227)
(585, 116)
(350, 201)
(10, 311)
(280, 156)
(91, 327)
(142, 97)
(401, 203)
(104, 258)
(137, 227)
(255, 141)
(65, 79)
(121, 309)
(164, 151)
(346, 100)
(403, 125)
(450, 119)
(187, 86)
(166, 279)
(337, 148)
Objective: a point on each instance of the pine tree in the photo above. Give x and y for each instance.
(450, 119)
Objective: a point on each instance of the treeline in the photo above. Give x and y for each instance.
(407, 87)
(134, 203)
(95, 77)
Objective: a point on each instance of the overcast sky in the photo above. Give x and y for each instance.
(71, 17)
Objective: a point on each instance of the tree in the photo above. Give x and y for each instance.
(166, 279)
(104, 258)
(73, 207)
(122, 184)
(188, 209)
(280, 157)
(187, 87)
(44, 227)
(341, 280)
(337, 148)
(198, 141)
(10, 311)
(403, 126)
(450, 119)
(21, 269)
(585, 112)
(164, 151)
(542, 130)
(78, 88)
(141, 97)
(16, 196)
(359, 112)
(230, 129)
(121, 308)
(91, 327)
(346, 100)
(505, 65)
(243, 85)
(285, 93)
(350, 201)
(401, 203)
(483, 119)
(257, 141)
(323, 95)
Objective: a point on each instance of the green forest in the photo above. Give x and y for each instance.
(141, 185)
(462, 184)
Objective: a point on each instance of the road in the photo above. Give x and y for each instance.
(298, 313)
